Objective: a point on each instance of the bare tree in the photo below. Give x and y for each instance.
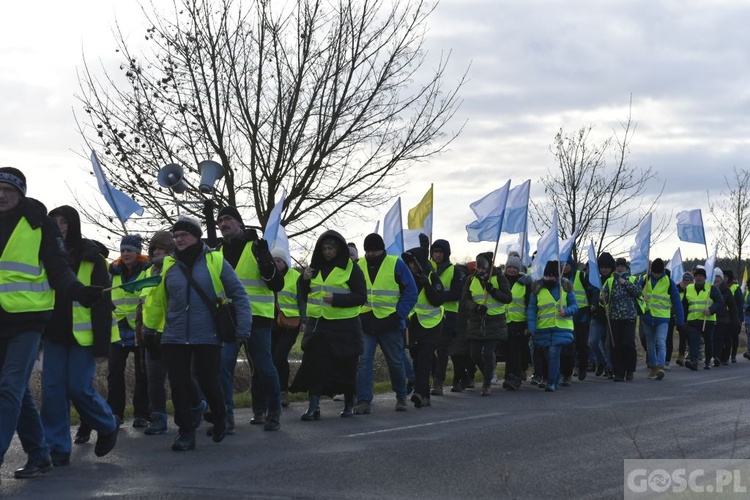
(603, 200)
(731, 214)
(330, 101)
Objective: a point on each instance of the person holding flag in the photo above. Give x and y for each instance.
(621, 298)
(552, 306)
(252, 261)
(660, 298)
(600, 339)
(702, 301)
(131, 266)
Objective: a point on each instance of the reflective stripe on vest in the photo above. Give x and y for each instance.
(698, 302)
(581, 297)
(126, 303)
(287, 296)
(23, 280)
(429, 316)
(494, 307)
(516, 310)
(336, 282)
(446, 277)
(83, 329)
(155, 309)
(657, 299)
(548, 315)
(383, 294)
(247, 270)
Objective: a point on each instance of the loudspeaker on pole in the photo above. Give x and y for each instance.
(210, 173)
(170, 176)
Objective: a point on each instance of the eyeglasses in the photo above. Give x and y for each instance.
(181, 235)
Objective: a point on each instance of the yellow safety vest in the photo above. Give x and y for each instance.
(248, 272)
(155, 308)
(580, 291)
(446, 277)
(429, 316)
(287, 296)
(383, 294)
(657, 299)
(494, 307)
(548, 315)
(23, 281)
(516, 310)
(697, 302)
(83, 329)
(336, 282)
(126, 303)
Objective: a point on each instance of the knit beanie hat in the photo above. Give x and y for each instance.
(132, 242)
(621, 261)
(688, 276)
(729, 274)
(718, 273)
(700, 270)
(374, 242)
(657, 266)
(231, 212)
(552, 269)
(188, 224)
(513, 261)
(606, 260)
(162, 239)
(280, 253)
(14, 177)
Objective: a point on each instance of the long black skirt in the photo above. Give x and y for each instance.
(322, 373)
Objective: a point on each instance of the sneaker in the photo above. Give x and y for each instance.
(401, 404)
(258, 419)
(437, 388)
(629, 376)
(158, 425)
(82, 437)
(717, 363)
(565, 381)
(542, 383)
(362, 408)
(184, 442)
(486, 390)
(582, 375)
(550, 388)
(535, 380)
(457, 388)
(610, 374)
(495, 380)
(680, 361)
(659, 374)
(426, 402)
(666, 365)
(599, 370)
(272, 423)
(690, 365)
(652, 373)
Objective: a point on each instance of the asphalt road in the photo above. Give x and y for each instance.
(527, 444)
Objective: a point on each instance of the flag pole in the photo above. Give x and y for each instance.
(432, 210)
(401, 222)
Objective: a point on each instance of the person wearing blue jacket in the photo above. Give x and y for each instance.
(661, 298)
(189, 339)
(552, 306)
(391, 295)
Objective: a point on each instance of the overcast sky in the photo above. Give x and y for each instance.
(536, 66)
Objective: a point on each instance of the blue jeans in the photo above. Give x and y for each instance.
(598, 337)
(18, 411)
(392, 345)
(656, 343)
(69, 373)
(552, 357)
(266, 389)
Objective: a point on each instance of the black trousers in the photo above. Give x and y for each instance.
(514, 353)
(577, 352)
(118, 358)
(182, 361)
(282, 341)
(422, 346)
(482, 352)
(440, 359)
(624, 355)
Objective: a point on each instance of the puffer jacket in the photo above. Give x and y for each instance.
(188, 319)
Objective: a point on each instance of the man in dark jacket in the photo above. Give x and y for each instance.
(32, 268)
(727, 318)
(701, 303)
(440, 252)
(391, 295)
(75, 341)
(252, 260)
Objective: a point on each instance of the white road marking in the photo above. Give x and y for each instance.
(428, 424)
(712, 381)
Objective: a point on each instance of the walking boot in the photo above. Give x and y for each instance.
(348, 410)
(284, 399)
(313, 410)
(652, 372)
(273, 421)
(659, 373)
(184, 442)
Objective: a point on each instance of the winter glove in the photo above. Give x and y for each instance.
(152, 343)
(481, 309)
(424, 241)
(489, 288)
(87, 295)
(261, 251)
(525, 280)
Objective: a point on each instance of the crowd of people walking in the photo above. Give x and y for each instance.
(422, 310)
